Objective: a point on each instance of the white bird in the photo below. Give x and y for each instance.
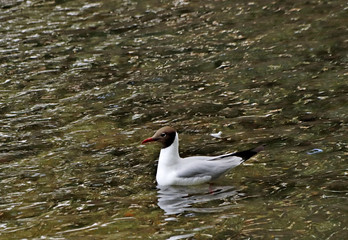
(174, 170)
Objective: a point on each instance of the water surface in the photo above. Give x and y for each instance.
(82, 83)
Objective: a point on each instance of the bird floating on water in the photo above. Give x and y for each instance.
(174, 170)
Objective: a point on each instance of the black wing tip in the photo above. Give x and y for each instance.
(245, 155)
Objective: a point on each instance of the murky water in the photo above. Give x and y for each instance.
(82, 83)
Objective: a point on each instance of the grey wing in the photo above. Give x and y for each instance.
(195, 171)
(203, 166)
(210, 167)
(231, 158)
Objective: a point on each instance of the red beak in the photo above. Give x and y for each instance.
(148, 140)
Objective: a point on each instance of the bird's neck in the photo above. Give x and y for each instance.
(170, 155)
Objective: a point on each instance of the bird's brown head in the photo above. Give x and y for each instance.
(165, 136)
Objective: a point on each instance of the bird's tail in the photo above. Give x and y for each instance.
(245, 155)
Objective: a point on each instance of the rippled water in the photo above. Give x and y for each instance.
(82, 83)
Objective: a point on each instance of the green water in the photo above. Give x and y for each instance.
(82, 83)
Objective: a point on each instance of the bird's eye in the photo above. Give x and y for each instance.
(163, 134)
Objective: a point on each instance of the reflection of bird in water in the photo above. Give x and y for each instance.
(174, 170)
(179, 199)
